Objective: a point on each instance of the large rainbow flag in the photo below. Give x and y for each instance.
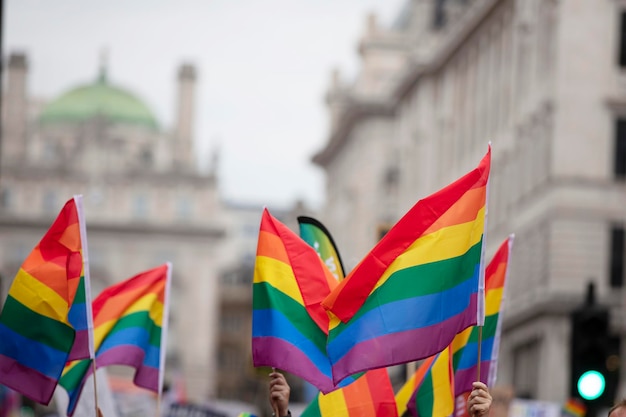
(418, 287)
(465, 345)
(46, 318)
(371, 395)
(433, 383)
(130, 320)
(289, 326)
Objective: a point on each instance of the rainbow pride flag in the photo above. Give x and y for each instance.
(465, 345)
(405, 393)
(434, 387)
(418, 287)
(289, 325)
(314, 233)
(574, 407)
(371, 395)
(130, 320)
(45, 320)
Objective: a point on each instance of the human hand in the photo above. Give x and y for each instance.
(479, 401)
(279, 394)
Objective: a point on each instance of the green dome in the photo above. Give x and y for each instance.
(99, 98)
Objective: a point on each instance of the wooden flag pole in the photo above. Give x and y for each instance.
(480, 339)
(95, 386)
(274, 406)
(158, 406)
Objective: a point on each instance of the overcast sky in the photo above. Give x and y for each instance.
(263, 68)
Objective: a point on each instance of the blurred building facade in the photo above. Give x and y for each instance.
(145, 200)
(543, 81)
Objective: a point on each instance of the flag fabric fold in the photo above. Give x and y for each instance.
(45, 319)
(418, 287)
(130, 328)
(370, 395)
(289, 325)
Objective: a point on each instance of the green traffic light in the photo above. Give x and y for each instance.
(591, 385)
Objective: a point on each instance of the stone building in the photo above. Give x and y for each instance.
(146, 201)
(543, 81)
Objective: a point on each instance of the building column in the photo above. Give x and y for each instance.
(14, 129)
(186, 117)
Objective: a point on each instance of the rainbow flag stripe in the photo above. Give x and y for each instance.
(289, 326)
(465, 345)
(423, 281)
(39, 321)
(371, 395)
(130, 320)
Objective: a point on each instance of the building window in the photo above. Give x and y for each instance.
(526, 362)
(439, 17)
(49, 153)
(230, 359)
(618, 249)
(620, 149)
(231, 322)
(183, 208)
(140, 206)
(622, 44)
(146, 157)
(50, 202)
(5, 198)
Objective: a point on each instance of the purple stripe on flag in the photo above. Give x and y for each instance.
(272, 351)
(463, 378)
(417, 343)
(34, 385)
(80, 348)
(145, 376)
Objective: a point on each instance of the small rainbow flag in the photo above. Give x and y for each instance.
(370, 395)
(130, 320)
(434, 387)
(423, 281)
(465, 345)
(46, 319)
(574, 407)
